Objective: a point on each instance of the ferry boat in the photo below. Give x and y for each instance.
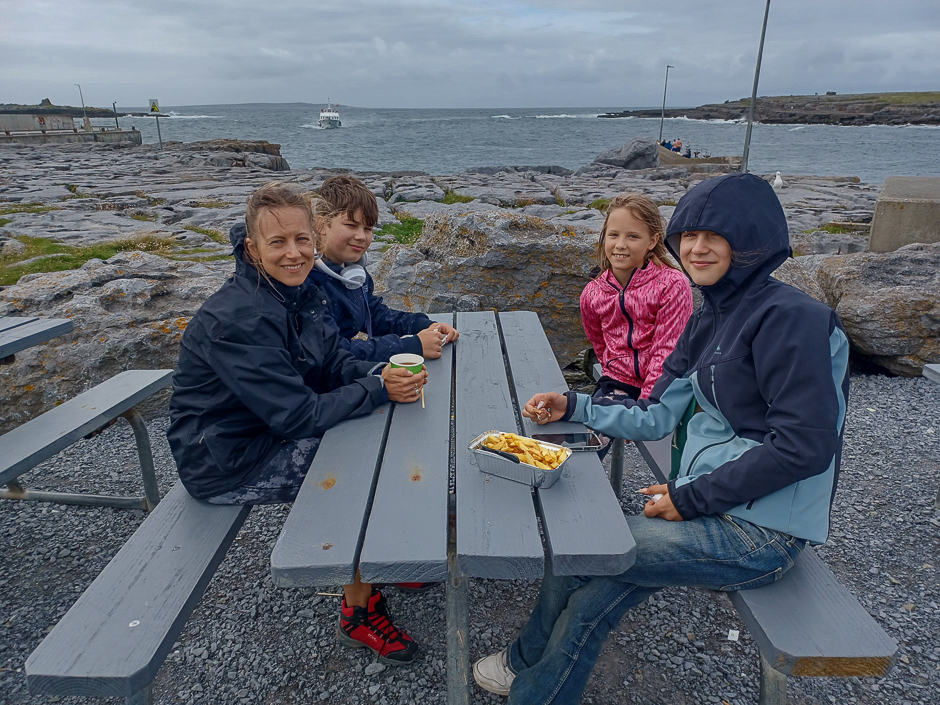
(329, 117)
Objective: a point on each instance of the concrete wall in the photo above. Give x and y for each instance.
(106, 137)
(908, 210)
(22, 123)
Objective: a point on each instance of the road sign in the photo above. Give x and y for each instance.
(154, 105)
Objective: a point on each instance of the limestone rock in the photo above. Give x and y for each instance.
(129, 313)
(638, 153)
(889, 302)
(496, 259)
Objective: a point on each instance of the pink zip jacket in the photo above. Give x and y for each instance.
(634, 329)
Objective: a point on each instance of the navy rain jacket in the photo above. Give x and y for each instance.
(768, 367)
(359, 310)
(258, 367)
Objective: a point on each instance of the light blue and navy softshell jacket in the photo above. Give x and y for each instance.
(767, 366)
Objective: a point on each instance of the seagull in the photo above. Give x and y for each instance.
(778, 182)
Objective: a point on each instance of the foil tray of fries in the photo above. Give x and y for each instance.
(540, 464)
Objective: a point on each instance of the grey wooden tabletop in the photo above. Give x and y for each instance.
(17, 334)
(378, 492)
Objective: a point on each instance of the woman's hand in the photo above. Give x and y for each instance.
(404, 385)
(662, 507)
(545, 407)
(434, 338)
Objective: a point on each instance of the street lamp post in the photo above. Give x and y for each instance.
(84, 116)
(663, 116)
(750, 112)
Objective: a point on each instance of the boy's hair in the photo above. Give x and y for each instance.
(346, 195)
(643, 209)
(271, 196)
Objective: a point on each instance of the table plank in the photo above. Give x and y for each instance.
(497, 531)
(585, 529)
(321, 539)
(8, 322)
(13, 340)
(406, 540)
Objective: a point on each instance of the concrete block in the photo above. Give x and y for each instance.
(908, 210)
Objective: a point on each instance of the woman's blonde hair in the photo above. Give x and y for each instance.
(643, 209)
(271, 196)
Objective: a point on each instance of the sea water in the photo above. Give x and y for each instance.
(448, 141)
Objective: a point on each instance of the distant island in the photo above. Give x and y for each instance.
(829, 109)
(47, 108)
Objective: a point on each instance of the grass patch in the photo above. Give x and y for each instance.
(560, 201)
(454, 197)
(72, 257)
(152, 201)
(12, 208)
(215, 235)
(668, 202)
(148, 217)
(405, 232)
(600, 204)
(523, 202)
(833, 229)
(5, 221)
(214, 203)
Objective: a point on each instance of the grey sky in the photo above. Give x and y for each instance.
(467, 53)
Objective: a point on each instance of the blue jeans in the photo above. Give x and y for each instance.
(558, 647)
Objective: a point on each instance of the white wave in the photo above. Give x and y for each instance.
(507, 117)
(798, 127)
(177, 116)
(563, 115)
(713, 121)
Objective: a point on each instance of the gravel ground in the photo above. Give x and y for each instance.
(250, 642)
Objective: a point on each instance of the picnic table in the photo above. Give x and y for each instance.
(19, 333)
(398, 495)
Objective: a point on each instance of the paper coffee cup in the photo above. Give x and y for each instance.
(408, 361)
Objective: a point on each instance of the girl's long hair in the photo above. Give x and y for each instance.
(643, 209)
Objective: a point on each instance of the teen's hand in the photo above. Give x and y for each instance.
(553, 407)
(432, 342)
(662, 507)
(404, 385)
(448, 332)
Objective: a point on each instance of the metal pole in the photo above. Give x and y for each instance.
(114, 108)
(750, 112)
(84, 116)
(663, 115)
(159, 136)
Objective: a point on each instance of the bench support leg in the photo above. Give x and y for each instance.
(14, 490)
(458, 624)
(144, 696)
(773, 684)
(145, 455)
(616, 466)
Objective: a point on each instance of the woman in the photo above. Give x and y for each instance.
(768, 366)
(261, 379)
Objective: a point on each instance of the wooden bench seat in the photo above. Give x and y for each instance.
(114, 639)
(806, 623)
(41, 438)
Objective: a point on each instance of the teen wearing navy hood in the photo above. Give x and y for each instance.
(346, 213)
(768, 368)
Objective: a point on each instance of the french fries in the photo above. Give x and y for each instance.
(527, 450)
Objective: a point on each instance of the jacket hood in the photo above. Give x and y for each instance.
(237, 235)
(746, 212)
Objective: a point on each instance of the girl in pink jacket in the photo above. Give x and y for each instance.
(634, 310)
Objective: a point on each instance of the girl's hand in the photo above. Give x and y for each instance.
(545, 407)
(404, 386)
(432, 343)
(448, 332)
(662, 507)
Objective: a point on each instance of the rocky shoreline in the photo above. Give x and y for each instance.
(861, 109)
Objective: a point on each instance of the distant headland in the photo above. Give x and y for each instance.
(830, 109)
(47, 108)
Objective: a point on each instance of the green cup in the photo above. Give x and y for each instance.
(408, 361)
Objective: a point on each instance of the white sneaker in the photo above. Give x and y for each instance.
(492, 673)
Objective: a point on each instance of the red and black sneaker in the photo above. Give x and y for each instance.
(360, 627)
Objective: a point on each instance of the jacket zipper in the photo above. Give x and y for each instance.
(636, 355)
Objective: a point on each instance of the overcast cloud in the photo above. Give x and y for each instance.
(472, 53)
